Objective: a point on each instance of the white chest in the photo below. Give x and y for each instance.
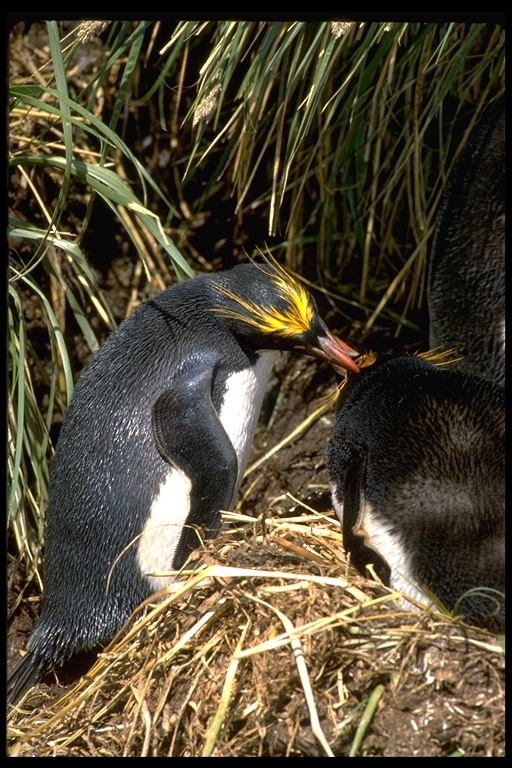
(239, 414)
(241, 407)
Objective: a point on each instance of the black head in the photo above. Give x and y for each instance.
(369, 367)
(269, 309)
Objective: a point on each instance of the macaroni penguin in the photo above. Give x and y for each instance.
(154, 445)
(417, 474)
(466, 274)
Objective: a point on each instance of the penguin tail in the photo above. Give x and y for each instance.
(25, 673)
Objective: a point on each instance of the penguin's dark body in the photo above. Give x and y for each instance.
(154, 444)
(466, 280)
(416, 465)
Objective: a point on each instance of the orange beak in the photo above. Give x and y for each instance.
(337, 353)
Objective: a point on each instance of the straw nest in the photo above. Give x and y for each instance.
(273, 646)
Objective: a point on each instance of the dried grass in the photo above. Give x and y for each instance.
(274, 647)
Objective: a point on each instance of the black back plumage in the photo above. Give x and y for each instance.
(466, 280)
(420, 450)
(104, 459)
(146, 406)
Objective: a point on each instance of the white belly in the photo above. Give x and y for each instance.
(379, 536)
(162, 531)
(239, 415)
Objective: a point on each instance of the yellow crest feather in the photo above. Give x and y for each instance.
(437, 356)
(297, 317)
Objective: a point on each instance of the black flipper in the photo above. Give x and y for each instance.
(190, 436)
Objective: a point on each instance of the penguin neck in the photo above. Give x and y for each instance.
(241, 405)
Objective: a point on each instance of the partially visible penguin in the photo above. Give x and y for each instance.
(154, 444)
(466, 279)
(416, 466)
